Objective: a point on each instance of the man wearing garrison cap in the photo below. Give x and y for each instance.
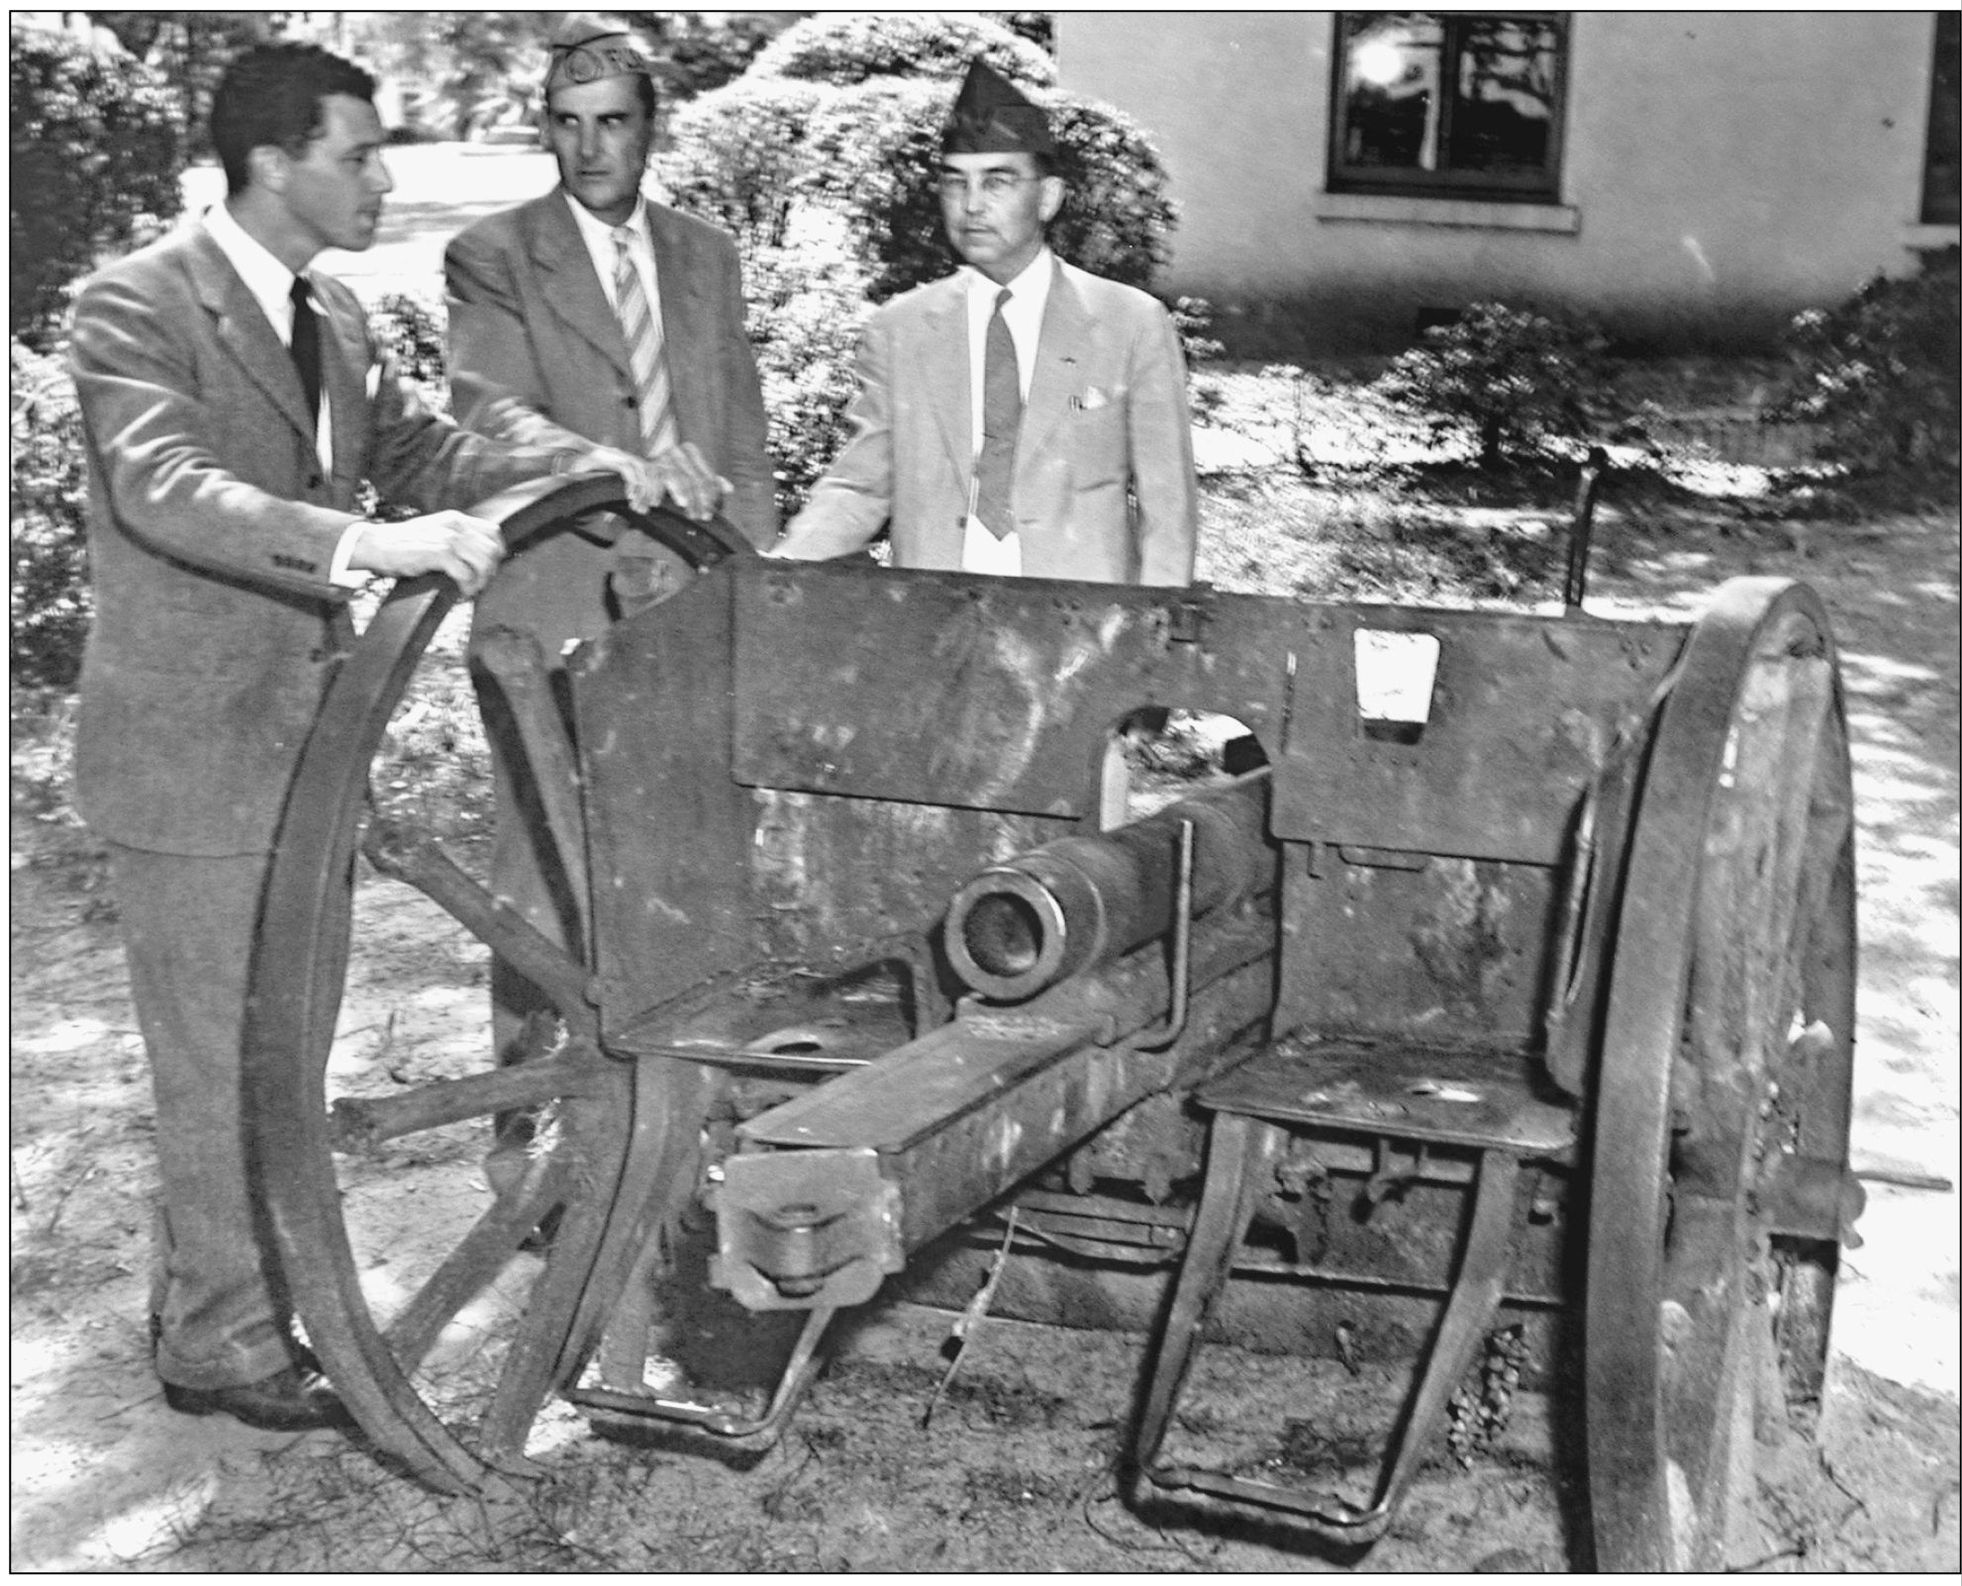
(593, 314)
(1021, 417)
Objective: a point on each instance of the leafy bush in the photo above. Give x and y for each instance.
(845, 47)
(1879, 372)
(704, 51)
(1038, 27)
(412, 331)
(98, 144)
(1509, 378)
(734, 154)
(806, 305)
(48, 594)
(869, 153)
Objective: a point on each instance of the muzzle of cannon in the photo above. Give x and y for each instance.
(1526, 1015)
(1018, 928)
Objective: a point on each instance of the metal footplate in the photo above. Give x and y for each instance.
(731, 1428)
(1422, 1094)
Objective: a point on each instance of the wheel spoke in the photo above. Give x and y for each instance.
(360, 1123)
(478, 1258)
(405, 853)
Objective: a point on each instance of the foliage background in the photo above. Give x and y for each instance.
(96, 145)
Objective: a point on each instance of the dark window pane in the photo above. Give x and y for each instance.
(1391, 71)
(1503, 112)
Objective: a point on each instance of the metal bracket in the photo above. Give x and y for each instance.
(1240, 1150)
(1187, 617)
(1181, 1006)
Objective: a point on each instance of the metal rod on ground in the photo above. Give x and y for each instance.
(1580, 536)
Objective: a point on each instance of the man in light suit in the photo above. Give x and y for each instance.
(540, 351)
(1039, 430)
(233, 403)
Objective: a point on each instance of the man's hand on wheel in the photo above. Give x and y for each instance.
(681, 475)
(467, 549)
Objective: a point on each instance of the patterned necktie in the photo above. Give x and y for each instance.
(306, 345)
(1001, 417)
(644, 349)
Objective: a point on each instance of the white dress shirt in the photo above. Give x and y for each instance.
(271, 286)
(981, 552)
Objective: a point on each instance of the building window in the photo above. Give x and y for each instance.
(1449, 104)
(1941, 173)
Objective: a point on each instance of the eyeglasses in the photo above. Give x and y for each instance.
(993, 184)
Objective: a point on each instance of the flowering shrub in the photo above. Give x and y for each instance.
(845, 47)
(1879, 372)
(1508, 378)
(96, 147)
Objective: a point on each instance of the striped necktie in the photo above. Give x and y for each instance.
(644, 348)
(1001, 417)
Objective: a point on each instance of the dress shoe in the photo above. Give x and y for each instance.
(291, 1400)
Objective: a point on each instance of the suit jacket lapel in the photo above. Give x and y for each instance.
(949, 393)
(244, 332)
(686, 327)
(1066, 325)
(344, 372)
(576, 295)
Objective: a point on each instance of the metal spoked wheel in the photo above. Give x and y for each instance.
(1719, 1189)
(447, 1333)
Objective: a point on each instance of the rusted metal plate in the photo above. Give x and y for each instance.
(824, 871)
(1522, 711)
(1455, 950)
(943, 688)
(668, 832)
(1454, 1097)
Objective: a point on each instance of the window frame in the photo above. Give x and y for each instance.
(1939, 205)
(1543, 187)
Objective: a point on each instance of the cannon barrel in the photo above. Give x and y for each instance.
(1020, 927)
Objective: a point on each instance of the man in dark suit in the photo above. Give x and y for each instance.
(233, 403)
(593, 312)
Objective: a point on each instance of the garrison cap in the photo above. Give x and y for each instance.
(992, 116)
(586, 48)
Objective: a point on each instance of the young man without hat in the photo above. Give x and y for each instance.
(234, 402)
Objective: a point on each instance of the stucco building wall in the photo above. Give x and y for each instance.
(1721, 171)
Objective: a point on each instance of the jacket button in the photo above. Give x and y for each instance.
(316, 655)
(313, 481)
(631, 402)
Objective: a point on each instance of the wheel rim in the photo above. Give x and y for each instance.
(1726, 1066)
(374, 1334)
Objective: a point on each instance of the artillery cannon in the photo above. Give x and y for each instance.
(1529, 1000)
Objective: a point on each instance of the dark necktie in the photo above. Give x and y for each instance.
(1001, 417)
(306, 346)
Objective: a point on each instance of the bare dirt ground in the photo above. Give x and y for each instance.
(1015, 1470)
